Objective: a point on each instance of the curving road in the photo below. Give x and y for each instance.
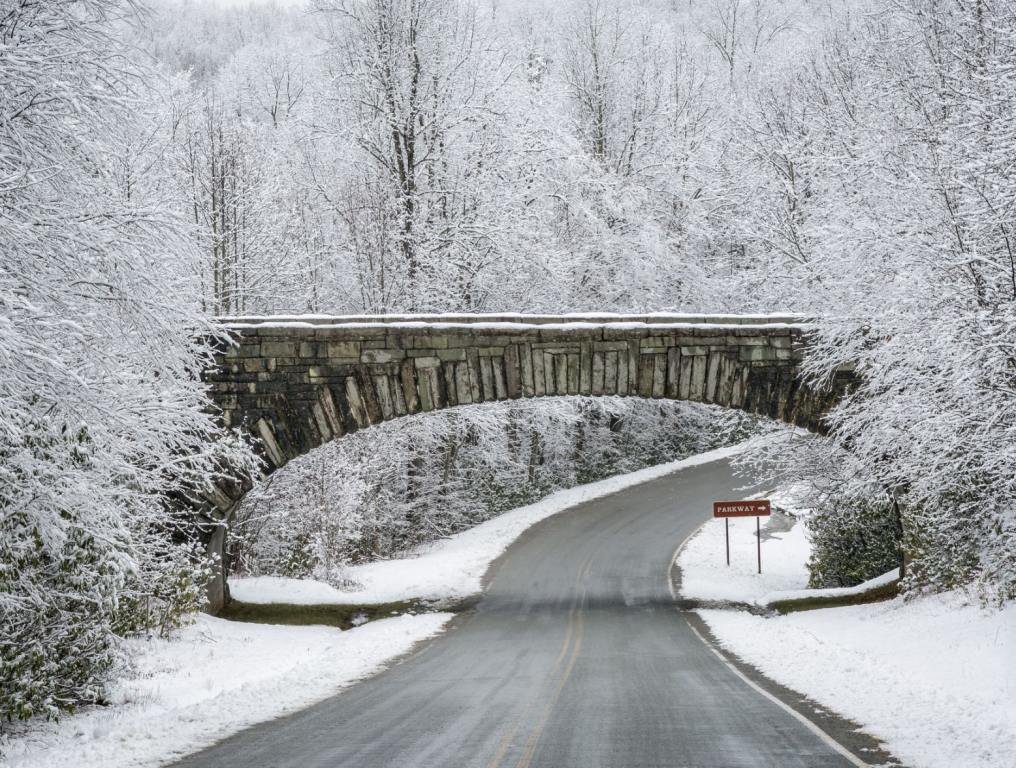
(574, 658)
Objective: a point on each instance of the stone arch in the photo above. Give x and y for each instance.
(296, 382)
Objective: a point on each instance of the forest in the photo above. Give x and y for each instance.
(167, 164)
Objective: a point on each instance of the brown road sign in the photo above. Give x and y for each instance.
(759, 508)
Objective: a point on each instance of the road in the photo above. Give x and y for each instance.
(574, 658)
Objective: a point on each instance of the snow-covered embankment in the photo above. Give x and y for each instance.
(933, 677)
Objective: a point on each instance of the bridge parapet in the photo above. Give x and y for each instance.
(518, 318)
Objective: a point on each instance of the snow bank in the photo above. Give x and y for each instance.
(803, 594)
(935, 678)
(451, 568)
(214, 678)
(279, 589)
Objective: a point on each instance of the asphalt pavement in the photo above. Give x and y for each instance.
(575, 657)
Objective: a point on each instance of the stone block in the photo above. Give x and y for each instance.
(610, 368)
(598, 373)
(526, 365)
(645, 376)
(513, 372)
(450, 385)
(375, 356)
(617, 334)
(407, 375)
(463, 390)
(659, 375)
(673, 371)
(344, 349)
(279, 349)
(487, 378)
(384, 397)
(278, 458)
(633, 365)
(500, 388)
(697, 386)
(475, 381)
(586, 368)
(574, 368)
(356, 405)
(655, 342)
(539, 375)
(712, 378)
(756, 354)
(436, 341)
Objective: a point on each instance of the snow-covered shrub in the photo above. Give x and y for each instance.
(56, 647)
(951, 542)
(851, 521)
(883, 194)
(380, 491)
(853, 540)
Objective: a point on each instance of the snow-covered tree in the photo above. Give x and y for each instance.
(102, 414)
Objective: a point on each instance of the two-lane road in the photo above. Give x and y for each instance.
(575, 658)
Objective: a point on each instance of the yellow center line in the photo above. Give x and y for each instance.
(510, 736)
(534, 737)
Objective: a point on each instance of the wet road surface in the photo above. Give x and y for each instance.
(574, 658)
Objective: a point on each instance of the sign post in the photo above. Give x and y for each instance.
(726, 525)
(758, 508)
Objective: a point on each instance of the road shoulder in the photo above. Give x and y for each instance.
(845, 733)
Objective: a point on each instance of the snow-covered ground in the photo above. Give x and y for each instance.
(934, 677)
(706, 576)
(451, 568)
(212, 679)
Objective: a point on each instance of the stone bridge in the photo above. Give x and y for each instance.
(297, 382)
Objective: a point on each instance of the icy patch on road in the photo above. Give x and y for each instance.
(452, 568)
(213, 678)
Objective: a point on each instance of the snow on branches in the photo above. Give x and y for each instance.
(101, 409)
